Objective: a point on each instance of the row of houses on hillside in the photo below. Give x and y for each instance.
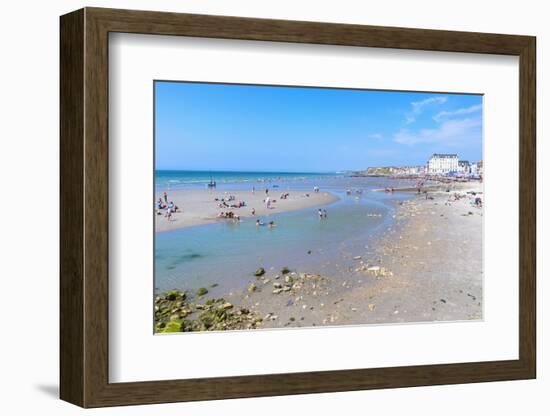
(396, 170)
(439, 164)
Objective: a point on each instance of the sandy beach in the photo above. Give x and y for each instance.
(381, 224)
(199, 206)
(426, 267)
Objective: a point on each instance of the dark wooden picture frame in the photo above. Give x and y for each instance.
(84, 216)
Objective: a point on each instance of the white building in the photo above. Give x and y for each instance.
(464, 167)
(442, 164)
(415, 170)
(480, 168)
(409, 170)
(473, 169)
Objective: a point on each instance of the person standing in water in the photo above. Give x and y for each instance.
(165, 197)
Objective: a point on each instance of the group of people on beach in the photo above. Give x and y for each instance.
(268, 201)
(456, 196)
(168, 208)
(223, 202)
(453, 198)
(230, 215)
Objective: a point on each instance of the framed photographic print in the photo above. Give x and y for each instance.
(255, 207)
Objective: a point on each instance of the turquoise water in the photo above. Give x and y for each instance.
(182, 179)
(227, 254)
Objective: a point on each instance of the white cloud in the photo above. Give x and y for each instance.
(375, 136)
(409, 119)
(461, 111)
(450, 132)
(418, 106)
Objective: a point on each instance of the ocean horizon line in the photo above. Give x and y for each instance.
(208, 171)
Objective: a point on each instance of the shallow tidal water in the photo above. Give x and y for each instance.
(226, 254)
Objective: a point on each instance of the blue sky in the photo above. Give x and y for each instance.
(260, 128)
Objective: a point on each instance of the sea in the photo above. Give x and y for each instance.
(186, 179)
(223, 256)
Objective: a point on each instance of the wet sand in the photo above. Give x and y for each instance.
(427, 267)
(198, 207)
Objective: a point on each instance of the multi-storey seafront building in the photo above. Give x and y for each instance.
(464, 167)
(442, 164)
(476, 168)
